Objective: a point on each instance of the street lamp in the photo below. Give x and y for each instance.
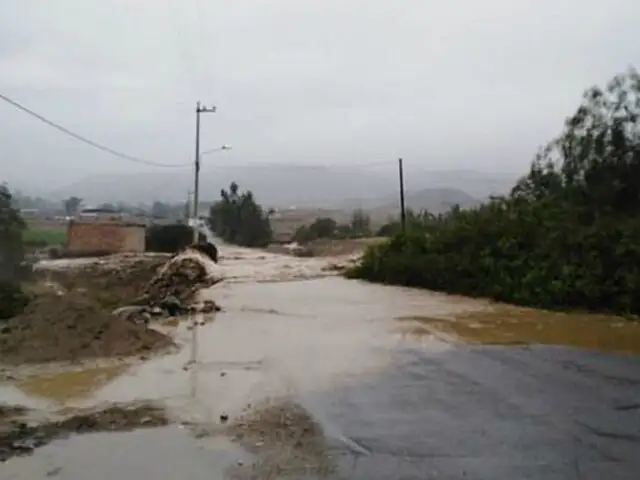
(219, 149)
(194, 210)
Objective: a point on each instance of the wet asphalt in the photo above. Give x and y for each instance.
(393, 405)
(491, 412)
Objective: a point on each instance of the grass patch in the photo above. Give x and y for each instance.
(44, 236)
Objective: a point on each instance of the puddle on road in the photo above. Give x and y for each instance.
(510, 325)
(159, 453)
(18, 438)
(63, 387)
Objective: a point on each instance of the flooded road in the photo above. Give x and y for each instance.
(374, 397)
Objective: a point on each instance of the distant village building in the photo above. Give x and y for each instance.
(28, 213)
(99, 214)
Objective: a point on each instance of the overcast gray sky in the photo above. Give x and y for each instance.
(456, 84)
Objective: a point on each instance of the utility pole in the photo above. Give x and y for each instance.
(403, 214)
(189, 206)
(196, 188)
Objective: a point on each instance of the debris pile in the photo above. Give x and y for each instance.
(112, 281)
(103, 308)
(71, 327)
(181, 277)
(285, 438)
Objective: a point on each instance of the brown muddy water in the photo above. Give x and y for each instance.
(270, 373)
(509, 325)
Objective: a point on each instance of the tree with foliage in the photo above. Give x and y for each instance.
(12, 300)
(360, 224)
(160, 210)
(237, 218)
(566, 236)
(170, 238)
(322, 227)
(72, 205)
(422, 221)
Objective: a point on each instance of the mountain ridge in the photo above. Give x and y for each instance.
(294, 185)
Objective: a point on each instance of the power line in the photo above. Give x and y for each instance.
(86, 140)
(363, 165)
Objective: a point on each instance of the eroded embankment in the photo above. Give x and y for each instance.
(70, 317)
(69, 320)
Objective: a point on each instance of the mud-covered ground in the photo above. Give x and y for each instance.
(285, 439)
(305, 377)
(71, 315)
(19, 436)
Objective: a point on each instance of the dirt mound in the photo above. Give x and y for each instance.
(146, 281)
(18, 438)
(70, 327)
(286, 439)
(112, 282)
(181, 277)
(72, 318)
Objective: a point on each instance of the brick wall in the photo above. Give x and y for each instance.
(105, 236)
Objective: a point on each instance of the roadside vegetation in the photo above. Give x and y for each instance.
(169, 238)
(12, 271)
(327, 228)
(566, 236)
(237, 218)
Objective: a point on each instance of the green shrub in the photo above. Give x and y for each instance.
(567, 235)
(237, 218)
(12, 299)
(169, 238)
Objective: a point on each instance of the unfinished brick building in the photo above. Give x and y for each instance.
(105, 236)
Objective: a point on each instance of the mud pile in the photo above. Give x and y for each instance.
(286, 439)
(71, 316)
(112, 282)
(181, 277)
(148, 280)
(70, 327)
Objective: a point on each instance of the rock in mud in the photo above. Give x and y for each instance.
(131, 312)
(208, 249)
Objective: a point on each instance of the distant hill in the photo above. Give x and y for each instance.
(294, 185)
(435, 200)
(438, 200)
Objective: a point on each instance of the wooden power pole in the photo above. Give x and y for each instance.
(196, 187)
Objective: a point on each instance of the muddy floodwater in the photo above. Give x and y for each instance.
(308, 375)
